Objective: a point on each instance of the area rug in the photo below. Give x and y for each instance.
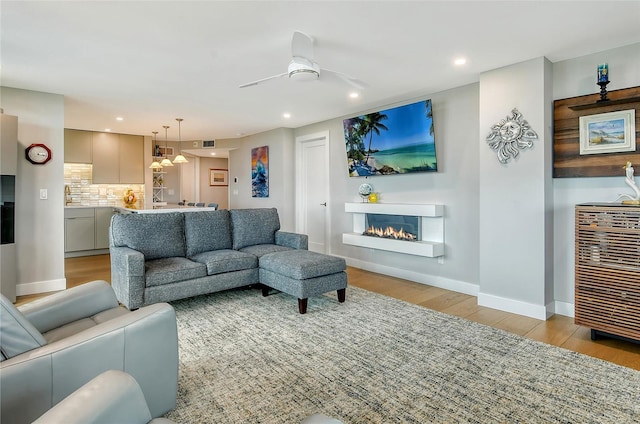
(374, 359)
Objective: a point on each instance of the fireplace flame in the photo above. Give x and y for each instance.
(390, 233)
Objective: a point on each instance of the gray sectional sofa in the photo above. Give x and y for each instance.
(160, 257)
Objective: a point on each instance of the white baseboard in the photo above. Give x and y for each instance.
(514, 306)
(564, 308)
(431, 280)
(38, 287)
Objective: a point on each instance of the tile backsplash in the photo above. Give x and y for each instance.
(79, 190)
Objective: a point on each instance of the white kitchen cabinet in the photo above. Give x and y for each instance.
(79, 229)
(102, 222)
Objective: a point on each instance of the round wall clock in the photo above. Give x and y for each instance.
(38, 154)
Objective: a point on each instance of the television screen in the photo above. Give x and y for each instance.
(393, 141)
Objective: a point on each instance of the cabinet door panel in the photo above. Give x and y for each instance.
(77, 146)
(131, 157)
(106, 155)
(103, 220)
(79, 234)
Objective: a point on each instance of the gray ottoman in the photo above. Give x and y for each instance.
(302, 273)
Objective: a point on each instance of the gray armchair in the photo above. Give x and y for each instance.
(52, 346)
(112, 397)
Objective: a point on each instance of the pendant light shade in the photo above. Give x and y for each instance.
(165, 161)
(180, 158)
(155, 164)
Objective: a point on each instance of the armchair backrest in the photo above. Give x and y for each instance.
(17, 334)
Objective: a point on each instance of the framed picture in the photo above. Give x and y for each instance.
(260, 171)
(611, 132)
(160, 151)
(218, 177)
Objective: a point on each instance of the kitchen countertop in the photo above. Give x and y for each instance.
(171, 208)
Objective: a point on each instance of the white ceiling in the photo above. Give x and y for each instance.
(151, 61)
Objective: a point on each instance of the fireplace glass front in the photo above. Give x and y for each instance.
(399, 227)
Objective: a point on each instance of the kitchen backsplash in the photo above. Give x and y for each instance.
(79, 191)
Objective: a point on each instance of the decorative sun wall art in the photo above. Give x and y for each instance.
(509, 135)
(260, 171)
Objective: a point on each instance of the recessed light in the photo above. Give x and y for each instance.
(354, 95)
(460, 61)
(107, 129)
(286, 115)
(119, 118)
(213, 153)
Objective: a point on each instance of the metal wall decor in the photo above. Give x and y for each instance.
(509, 135)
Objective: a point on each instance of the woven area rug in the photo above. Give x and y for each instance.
(374, 359)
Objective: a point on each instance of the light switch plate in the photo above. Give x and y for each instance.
(43, 194)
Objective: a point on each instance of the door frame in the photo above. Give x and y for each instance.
(301, 194)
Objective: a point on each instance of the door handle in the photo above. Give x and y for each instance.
(323, 204)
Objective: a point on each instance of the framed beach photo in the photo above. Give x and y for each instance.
(218, 177)
(611, 132)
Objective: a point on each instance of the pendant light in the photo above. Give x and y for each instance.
(155, 164)
(165, 161)
(180, 158)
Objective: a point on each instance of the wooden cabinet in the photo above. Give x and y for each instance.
(131, 159)
(106, 158)
(86, 229)
(77, 146)
(118, 159)
(607, 260)
(102, 222)
(79, 229)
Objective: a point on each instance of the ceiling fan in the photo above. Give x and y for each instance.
(302, 66)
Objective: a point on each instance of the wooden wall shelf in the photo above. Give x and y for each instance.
(567, 161)
(601, 103)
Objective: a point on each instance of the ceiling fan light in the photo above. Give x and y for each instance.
(304, 75)
(180, 159)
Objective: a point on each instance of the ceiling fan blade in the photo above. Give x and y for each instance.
(302, 45)
(355, 82)
(252, 83)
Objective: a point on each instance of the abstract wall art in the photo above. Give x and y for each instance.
(260, 171)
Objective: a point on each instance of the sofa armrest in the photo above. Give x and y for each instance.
(127, 276)
(292, 240)
(113, 396)
(142, 343)
(69, 305)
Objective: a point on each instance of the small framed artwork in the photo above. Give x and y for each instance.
(163, 151)
(611, 132)
(218, 177)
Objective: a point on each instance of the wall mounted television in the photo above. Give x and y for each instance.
(399, 140)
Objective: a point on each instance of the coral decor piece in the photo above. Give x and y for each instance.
(129, 198)
(509, 135)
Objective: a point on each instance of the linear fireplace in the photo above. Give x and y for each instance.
(404, 228)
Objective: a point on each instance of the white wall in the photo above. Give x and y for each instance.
(515, 256)
(213, 194)
(39, 223)
(571, 78)
(455, 185)
(281, 170)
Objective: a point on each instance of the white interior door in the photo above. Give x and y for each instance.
(312, 217)
(188, 180)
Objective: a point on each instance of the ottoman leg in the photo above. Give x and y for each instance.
(341, 295)
(302, 306)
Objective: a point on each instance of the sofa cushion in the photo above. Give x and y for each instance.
(206, 231)
(263, 249)
(302, 264)
(18, 334)
(220, 261)
(254, 226)
(155, 235)
(171, 270)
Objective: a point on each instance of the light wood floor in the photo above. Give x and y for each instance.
(558, 330)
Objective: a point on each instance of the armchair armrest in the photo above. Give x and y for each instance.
(113, 396)
(127, 276)
(292, 240)
(143, 343)
(70, 305)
